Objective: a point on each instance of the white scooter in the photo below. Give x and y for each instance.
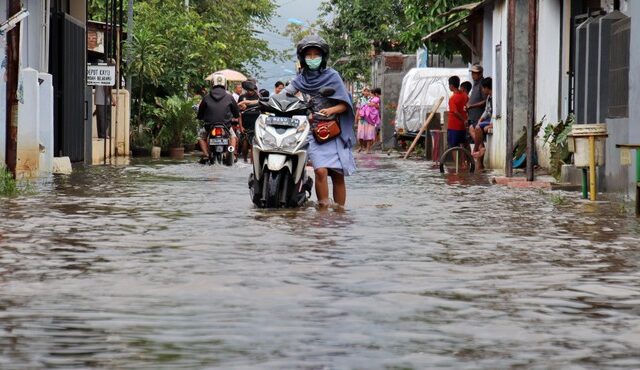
(280, 146)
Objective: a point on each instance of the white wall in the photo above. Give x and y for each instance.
(28, 151)
(633, 10)
(487, 40)
(31, 47)
(566, 54)
(45, 125)
(497, 142)
(547, 70)
(3, 87)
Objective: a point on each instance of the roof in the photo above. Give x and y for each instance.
(461, 8)
(458, 25)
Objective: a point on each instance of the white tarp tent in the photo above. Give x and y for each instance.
(421, 89)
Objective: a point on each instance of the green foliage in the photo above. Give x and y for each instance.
(558, 200)
(424, 17)
(8, 185)
(296, 32)
(520, 146)
(359, 29)
(174, 48)
(177, 119)
(557, 136)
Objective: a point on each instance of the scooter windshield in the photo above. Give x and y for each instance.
(282, 104)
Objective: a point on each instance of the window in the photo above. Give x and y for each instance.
(497, 83)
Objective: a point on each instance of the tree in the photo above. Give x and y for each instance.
(425, 18)
(146, 64)
(174, 46)
(358, 29)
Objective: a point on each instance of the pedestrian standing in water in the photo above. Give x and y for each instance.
(332, 158)
(476, 104)
(372, 116)
(366, 131)
(456, 134)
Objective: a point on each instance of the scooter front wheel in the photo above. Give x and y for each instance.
(273, 188)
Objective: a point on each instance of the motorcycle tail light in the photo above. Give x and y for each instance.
(217, 131)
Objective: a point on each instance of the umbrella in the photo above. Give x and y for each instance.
(230, 74)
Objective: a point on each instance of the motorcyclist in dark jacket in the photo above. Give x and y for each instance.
(217, 107)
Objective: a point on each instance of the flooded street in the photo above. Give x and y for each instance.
(168, 265)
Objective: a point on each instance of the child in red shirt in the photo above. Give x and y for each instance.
(456, 132)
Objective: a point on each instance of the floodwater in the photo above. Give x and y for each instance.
(166, 265)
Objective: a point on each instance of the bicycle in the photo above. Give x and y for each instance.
(457, 160)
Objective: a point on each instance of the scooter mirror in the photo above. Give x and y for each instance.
(327, 91)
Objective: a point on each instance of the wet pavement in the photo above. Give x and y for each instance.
(167, 265)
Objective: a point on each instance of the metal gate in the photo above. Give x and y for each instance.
(67, 65)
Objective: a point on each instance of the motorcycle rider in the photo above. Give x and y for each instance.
(332, 159)
(248, 117)
(217, 106)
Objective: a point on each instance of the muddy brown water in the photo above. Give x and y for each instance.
(167, 265)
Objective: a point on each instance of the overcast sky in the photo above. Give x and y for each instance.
(304, 10)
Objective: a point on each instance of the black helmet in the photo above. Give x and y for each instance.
(249, 85)
(309, 42)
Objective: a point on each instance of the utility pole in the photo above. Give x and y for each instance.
(13, 64)
(129, 46)
(531, 87)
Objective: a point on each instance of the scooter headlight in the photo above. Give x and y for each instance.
(269, 141)
(290, 142)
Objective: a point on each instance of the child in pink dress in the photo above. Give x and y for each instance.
(370, 116)
(363, 127)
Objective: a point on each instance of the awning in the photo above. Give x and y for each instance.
(454, 27)
(461, 8)
(460, 25)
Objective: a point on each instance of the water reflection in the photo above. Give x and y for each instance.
(167, 265)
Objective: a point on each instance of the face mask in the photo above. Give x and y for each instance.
(313, 63)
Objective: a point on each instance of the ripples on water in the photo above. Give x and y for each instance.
(167, 265)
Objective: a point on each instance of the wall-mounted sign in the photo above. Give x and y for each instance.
(101, 75)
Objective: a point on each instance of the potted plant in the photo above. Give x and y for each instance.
(177, 117)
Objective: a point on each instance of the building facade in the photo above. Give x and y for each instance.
(585, 61)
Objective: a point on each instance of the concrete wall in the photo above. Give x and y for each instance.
(633, 11)
(548, 70)
(487, 39)
(119, 127)
(565, 59)
(634, 80)
(35, 108)
(390, 82)
(28, 153)
(3, 87)
(78, 10)
(496, 144)
(33, 48)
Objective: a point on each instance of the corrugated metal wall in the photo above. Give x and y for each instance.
(602, 68)
(619, 69)
(68, 68)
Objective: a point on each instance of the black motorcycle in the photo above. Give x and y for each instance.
(218, 140)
